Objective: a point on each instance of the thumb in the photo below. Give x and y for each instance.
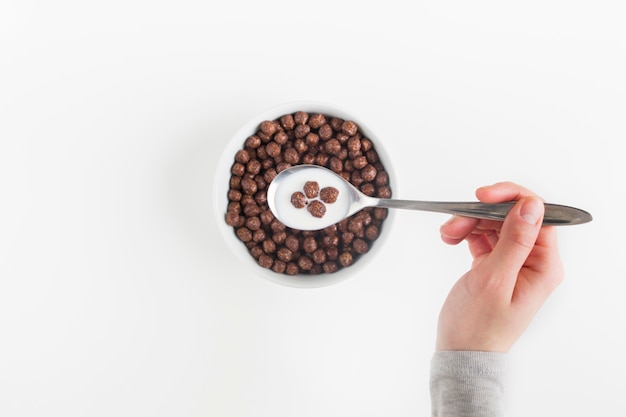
(517, 237)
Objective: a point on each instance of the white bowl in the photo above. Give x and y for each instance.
(221, 187)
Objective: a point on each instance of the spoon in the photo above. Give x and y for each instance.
(350, 200)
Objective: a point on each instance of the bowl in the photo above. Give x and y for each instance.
(221, 188)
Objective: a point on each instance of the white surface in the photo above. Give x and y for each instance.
(117, 296)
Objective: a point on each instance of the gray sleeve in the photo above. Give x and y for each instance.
(467, 384)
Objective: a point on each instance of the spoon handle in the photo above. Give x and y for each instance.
(555, 215)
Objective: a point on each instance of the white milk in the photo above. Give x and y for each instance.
(300, 218)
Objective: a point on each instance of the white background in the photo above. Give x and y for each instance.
(117, 295)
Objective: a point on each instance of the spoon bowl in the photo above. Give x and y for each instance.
(349, 200)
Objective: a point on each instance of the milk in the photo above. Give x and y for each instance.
(300, 218)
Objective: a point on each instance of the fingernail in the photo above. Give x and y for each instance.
(531, 210)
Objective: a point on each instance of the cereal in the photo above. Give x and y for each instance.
(253, 223)
(267, 217)
(301, 131)
(329, 195)
(316, 208)
(298, 199)
(279, 237)
(360, 246)
(330, 241)
(260, 198)
(253, 142)
(287, 122)
(332, 253)
(345, 259)
(234, 195)
(285, 254)
(354, 144)
(368, 189)
(330, 267)
(292, 269)
(371, 232)
(291, 156)
(232, 218)
(266, 261)
(347, 238)
(244, 234)
(308, 158)
(368, 173)
(250, 208)
(332, 146)
(234, 206)
(253, 167)
(292, 243)
(303, 138)
(259, 235)
(301, 117)
(321, 159)
(269, 127)
(317, 120)
(325, 132)
(305, 263)
(242, 156)
(281, 138)
(384, 192)
(336, 123)
(248, 185)
(382, 178)
(309, 244)
(312, 139)
(319, 256)
(349, 128)
(269, 246)
(238, 169)
(311, 189)
(335, 164)
(273, 149)
(360, 162)
(256, 251)
(279, 266)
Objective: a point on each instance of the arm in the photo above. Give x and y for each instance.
(515, 267)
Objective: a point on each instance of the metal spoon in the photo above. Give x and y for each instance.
(350, 200)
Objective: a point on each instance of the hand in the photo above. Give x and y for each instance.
(516, 265)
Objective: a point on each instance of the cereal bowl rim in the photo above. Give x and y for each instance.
(220, 199)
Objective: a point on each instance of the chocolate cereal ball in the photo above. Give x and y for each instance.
(298, 199)
(311, 189)
(329, 194)
(316, 208)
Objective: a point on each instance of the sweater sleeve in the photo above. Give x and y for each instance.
(467, 384)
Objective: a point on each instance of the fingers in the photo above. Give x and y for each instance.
(458, 228)
(503, 191)
(481, 244)
(545, 267)
(508, 191)
(481, 235)
(516, 241)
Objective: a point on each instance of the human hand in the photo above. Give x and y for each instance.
(516, 265)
